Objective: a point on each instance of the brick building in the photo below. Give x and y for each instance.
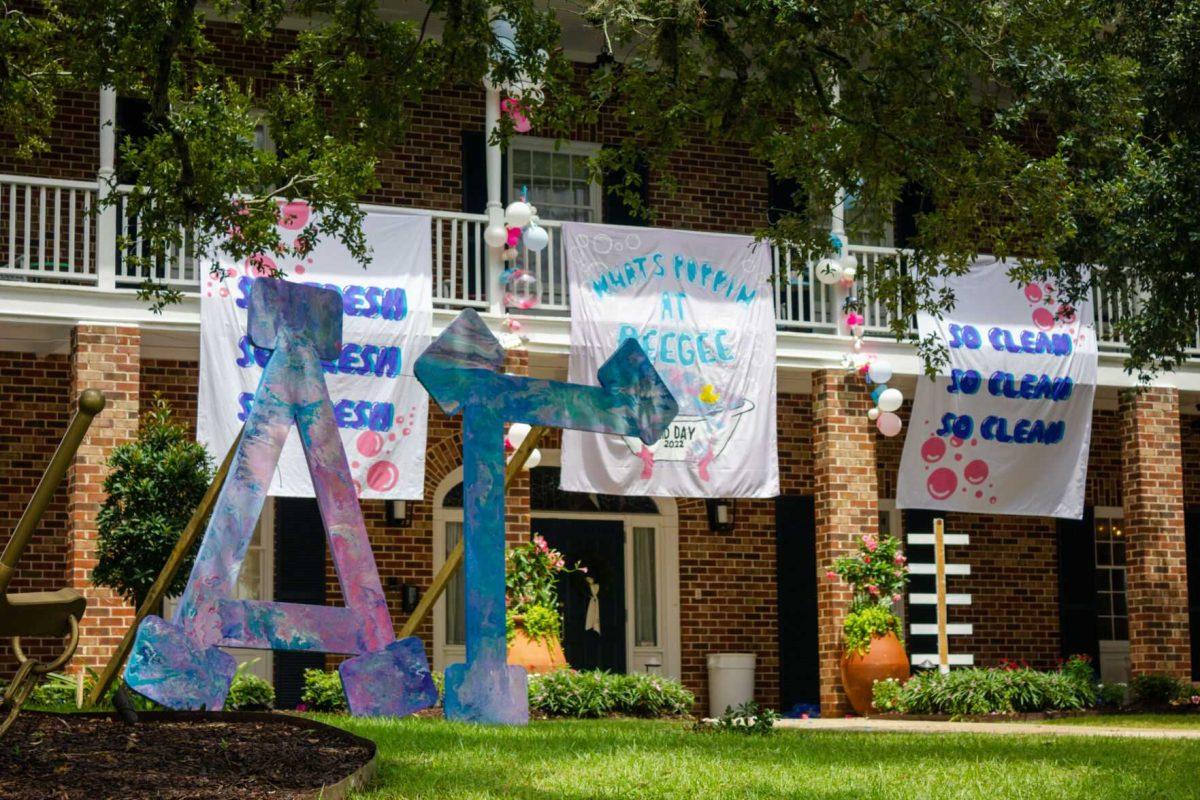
(1115, 585)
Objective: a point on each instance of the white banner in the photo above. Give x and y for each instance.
(387, 318)
(1006, 427)
(700, 304)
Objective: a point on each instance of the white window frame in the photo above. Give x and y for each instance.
(1114, 653)
(538, 144)
(662, 658)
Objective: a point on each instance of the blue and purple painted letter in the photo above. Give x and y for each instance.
(461, 370)
(179, 663)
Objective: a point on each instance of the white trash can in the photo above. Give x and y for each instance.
(730, 681)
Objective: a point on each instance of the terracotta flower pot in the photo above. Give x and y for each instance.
(536, 657)
(885, 658)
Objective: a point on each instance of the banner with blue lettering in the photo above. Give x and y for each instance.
(1005, 428)
(700, 304)
(387, 308)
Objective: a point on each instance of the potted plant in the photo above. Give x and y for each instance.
(534, 618)
(872, 638)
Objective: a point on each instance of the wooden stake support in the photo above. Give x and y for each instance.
(455, 557)
(939, 551)
(191, 534)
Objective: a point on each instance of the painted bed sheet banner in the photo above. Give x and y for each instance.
(1006, 428)
(380, 408)
(700, 305)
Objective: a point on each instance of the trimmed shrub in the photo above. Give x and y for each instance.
(248, 691)
(570, 693)
(1113, 695)
(322, 691)
(1158, 691)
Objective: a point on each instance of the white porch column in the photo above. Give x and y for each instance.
(106, 218)
(495, 210)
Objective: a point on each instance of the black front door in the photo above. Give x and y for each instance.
(1193, 582)
(796, 587)
(598, 545)
(299, 578)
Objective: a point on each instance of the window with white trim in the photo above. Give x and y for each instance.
(1112, 613)
(556, 176)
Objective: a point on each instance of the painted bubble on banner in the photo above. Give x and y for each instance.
(942, 483)
(260, 266)
(976, 471)
(382, 476)
(369, 443)
(1033, 293)
(933, 449)
(1043, 318)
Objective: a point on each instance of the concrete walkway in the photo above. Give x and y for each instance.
(865, 725)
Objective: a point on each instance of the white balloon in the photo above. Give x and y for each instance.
(857, 345)
(828, 271)
(495, 235)
(518, 213)
(857, 330)
(534, 459)
(849, 265)
(535, 238)
(517, 433)
(873, 414)
(890, 400)
(880, 371)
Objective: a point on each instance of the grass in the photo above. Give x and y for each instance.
(644, 759)
(1134, 721)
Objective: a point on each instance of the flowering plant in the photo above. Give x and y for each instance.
(877, 573)
(531, 581)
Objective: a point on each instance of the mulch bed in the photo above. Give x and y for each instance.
(174, 757)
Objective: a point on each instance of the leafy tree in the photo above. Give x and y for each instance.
(1059, 132)
(154, 484)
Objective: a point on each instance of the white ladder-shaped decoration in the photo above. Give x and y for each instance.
(942, 629)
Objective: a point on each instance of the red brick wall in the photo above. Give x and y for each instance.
(33, 418)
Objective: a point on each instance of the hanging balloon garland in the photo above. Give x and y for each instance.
(522, 290)
(842, 269)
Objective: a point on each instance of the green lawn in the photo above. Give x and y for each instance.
(1134, 721)
(634, 759)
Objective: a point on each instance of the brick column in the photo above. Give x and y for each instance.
(845, 492)
(517, 519)
(1156, 560)
(108, 358)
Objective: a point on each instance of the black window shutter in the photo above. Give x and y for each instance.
(784, 198)
(474, 173)
(615, 210)
(796, 591)
(133, 123)
(914, 201)
(299, 578)
(919, 521)
(1193, 579)
(1077, 587)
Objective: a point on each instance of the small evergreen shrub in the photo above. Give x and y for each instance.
(748, 718)
(248, 691)
(1158, 691)
(595, 693)
(322, 691)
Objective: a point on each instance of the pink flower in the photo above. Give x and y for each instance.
(1196, 699)
(900, 559)
(583, 570)
(873, 589)
(895, 598)
(869, 542)
(866, 559)
(831, 575)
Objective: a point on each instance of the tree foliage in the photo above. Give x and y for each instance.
(153, 485)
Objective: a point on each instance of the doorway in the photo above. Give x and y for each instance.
(592, 604)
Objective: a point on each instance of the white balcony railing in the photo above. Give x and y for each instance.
(50, 234)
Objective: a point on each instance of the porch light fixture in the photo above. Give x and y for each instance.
(720, 515)
(397, 513)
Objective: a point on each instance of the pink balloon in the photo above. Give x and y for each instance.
(889, 424)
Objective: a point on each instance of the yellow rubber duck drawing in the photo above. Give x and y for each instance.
(708, 394)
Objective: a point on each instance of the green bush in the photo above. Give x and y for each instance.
(570, 693)
(322, 691)
(56, 691)
(248, 691)
(1113, 695)
(748, 718)
(867, 622)
(1157, 691)
(970, 692)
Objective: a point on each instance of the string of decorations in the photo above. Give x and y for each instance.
(521, 288)
(875, 371)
